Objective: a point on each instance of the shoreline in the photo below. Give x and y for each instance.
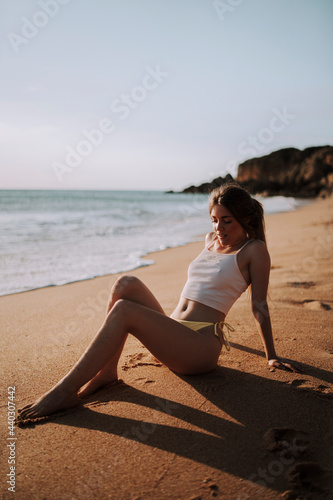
(303, 202)
(130, 270)
(160, 435)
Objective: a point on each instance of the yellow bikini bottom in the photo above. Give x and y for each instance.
(198, 325)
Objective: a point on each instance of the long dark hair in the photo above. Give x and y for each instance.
(246, 210)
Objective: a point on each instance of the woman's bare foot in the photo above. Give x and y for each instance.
(103, 378)
(55, 400)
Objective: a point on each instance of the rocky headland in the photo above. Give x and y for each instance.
(304, 173)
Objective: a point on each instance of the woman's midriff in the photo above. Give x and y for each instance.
(194, 311)
(188, 310)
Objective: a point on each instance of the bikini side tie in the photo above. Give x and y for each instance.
(224, 334)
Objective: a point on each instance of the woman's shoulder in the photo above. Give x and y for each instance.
(255, 249)
(257, 253)
(256, 245)
(210, 237)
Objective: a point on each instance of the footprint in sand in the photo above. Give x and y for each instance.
(143, 380)
(301, 284)
(297, 382)
(307, 480)
(313, 305)
(134, 360)
(306, 385)
(322, 388)
(292, 440)
(211, 486)
(316, 305)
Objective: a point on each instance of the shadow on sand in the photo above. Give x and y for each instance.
(235, 444)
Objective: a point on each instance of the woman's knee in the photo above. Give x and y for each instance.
(122, 288)
(120, 306)
(122, 310)
(125, 285)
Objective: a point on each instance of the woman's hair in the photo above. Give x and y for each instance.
(246, 210)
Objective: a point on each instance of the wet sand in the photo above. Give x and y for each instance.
(244, 431)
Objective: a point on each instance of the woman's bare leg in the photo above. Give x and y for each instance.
(126, 287)
(106, 376)
(179, 348)
(130, 288)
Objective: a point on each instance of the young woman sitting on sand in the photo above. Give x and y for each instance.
(190, 341)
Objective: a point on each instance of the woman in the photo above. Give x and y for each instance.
(190, 341)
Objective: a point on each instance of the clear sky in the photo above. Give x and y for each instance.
(158, 94)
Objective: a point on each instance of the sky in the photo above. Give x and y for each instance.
(158, 94)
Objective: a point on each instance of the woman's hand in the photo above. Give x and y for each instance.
(284, 364)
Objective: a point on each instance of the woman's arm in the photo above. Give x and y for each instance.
(259, 267)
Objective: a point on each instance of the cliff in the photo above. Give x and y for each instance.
(290, 172)
(207, 187)
(287, 172)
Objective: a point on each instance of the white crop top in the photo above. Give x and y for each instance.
(214, 279)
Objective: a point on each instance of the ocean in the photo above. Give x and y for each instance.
(56, 237)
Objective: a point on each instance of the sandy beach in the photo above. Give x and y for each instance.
(243, 431)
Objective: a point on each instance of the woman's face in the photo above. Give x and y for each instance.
(228, 230)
